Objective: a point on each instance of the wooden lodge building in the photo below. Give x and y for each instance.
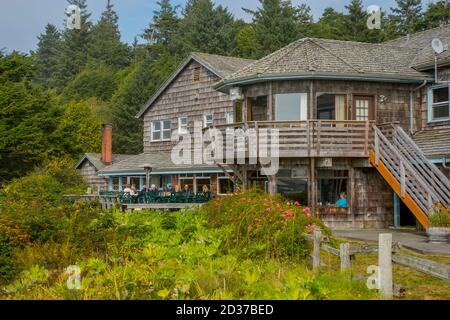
(368, 120)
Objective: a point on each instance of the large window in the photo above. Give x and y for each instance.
(439, 105)
(225, 186)
(161, 130)
(202, 182)
(294, 189)
(331, 107)
(115, 184)
(291, 106)
(331, 184)
(258, 109)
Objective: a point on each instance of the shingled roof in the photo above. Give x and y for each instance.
(160, 162)
(321, 58)
(434, 142)
(221, 66)
(422, 41)
(96, 160)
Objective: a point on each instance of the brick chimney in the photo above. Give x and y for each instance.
(107, 144)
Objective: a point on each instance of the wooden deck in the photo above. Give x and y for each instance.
(312, 138)
(158, 206)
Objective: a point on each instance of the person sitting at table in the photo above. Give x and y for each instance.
(169, 189)
(128, 190)
(177, 188)
(187, 190)
(153, 189)
(342, 202)
(206, 191)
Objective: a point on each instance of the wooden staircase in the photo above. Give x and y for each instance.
(416, 180)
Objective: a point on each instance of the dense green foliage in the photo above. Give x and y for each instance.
(151, 255)
(93, 66)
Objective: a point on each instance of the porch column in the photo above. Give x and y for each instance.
(272, 185)
(312, 184)
(148, 169)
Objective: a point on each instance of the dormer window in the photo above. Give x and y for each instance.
(438, 106)
(196, 74)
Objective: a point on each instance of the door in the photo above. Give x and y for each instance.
(363, 108)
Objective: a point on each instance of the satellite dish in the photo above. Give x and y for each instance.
(437, 45)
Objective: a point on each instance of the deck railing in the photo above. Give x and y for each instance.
(311, 138)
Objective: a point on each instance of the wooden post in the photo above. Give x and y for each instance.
(385, 265)
(345, 256)
(316, 250)
(402, 180)
(377, 148)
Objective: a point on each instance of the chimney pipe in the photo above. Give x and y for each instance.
(107, 144)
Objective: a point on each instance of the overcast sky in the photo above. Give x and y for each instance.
(21, 21)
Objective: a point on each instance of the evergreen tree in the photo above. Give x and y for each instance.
(164, 26)
(246, 43)
(95, 80)
(275, 23)
(207, 28)
(332, 25)
(78, 132)
(73, 54)
(144, 78)
(305, 21)
(47, 55)
(28, 116)
(437, 14)
(104, 44)
(408, 16)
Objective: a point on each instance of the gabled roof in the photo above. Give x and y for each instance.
(332, 59)
(96, 160)
(221, 66)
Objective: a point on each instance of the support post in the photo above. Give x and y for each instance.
(345, 256)
(316, 250)
(385, 265)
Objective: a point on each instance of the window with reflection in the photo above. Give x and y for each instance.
(291, 106)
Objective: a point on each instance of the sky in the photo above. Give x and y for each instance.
(21, 21)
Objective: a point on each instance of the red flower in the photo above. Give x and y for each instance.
(296, 203)
(308, 215)
(306, 210)
(268, 209)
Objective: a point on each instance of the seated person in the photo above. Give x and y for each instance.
(169, 189)
(145, 189)
(342, 202)
(128, 190)
(153, 189)
(177, 188)
(187, 190)
(206, 191)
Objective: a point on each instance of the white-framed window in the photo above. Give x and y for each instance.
(229, 116)
(182, 125)
(208, 120)
(438, 105)
(291, 106)
(161, 130)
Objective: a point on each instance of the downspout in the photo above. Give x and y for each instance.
(411, 106)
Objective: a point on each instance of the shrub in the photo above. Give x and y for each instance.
(440, 217)
(263, 225)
